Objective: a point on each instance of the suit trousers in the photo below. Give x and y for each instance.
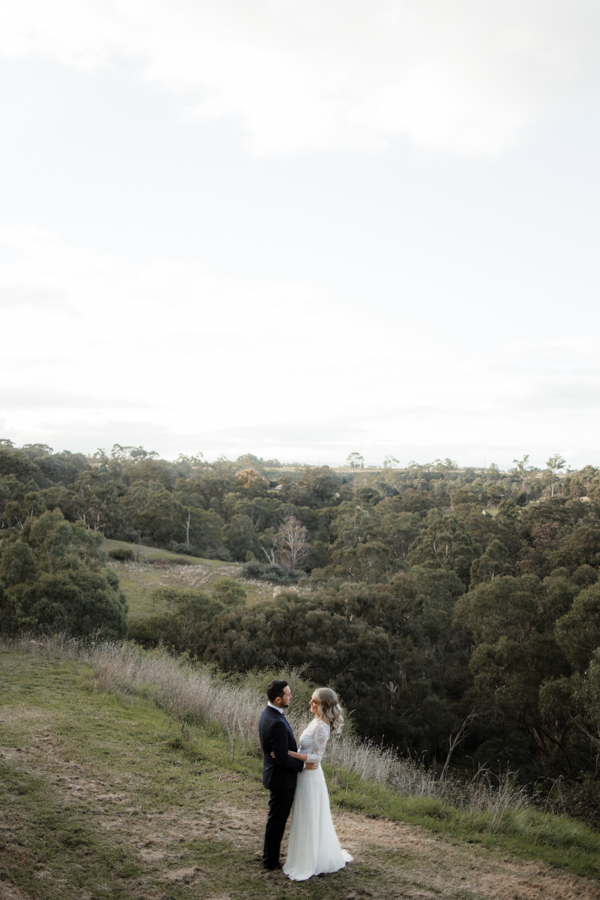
(280, 804)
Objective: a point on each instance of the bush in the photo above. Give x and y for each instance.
(184, 624)
(270, 572)
(252, 569)
(228, 591)
(82, 603)
(185, 549)
(122, 554)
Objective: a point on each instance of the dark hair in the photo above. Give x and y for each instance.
(275, 689)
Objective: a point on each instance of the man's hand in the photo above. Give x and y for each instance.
(311, 765)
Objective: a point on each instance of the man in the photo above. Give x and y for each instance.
(280, 771)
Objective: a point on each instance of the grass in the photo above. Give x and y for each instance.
(155, 554)
(119, 764)
(160, 568)
(109, 752)
(104, 795)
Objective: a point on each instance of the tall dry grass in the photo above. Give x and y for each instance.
(202, 695)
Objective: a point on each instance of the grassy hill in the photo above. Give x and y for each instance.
(154, 568)
(109, 788)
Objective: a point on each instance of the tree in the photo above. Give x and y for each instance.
(356, 461)
(580, 547)
(291, 544)
(370, 562)
(81, 603)
(522, 465)
(240, 537)
(578, 631)
(322, 482)
(55, 581)
(492, 564)
(14, 462)
(517, 657)
(555, 463)
(185, 623)
(398, 530)
(447, 543)
(252, 482)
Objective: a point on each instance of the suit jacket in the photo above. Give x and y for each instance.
(276, 735)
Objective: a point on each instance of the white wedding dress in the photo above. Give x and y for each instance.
(313, 847)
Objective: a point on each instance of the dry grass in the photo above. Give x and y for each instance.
(205, 696)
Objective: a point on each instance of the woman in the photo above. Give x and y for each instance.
(314, 847)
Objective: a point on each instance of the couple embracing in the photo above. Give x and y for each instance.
(296, 777)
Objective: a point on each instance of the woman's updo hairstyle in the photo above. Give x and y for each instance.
(329, 708)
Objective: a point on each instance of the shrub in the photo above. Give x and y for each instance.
(122, 554)
(185, 549)
(228, 591)
(270, 572)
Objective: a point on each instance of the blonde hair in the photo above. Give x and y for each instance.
(329, 708)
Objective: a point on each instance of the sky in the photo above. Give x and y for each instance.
(302, 229)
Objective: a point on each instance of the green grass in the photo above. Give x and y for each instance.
(525, 832)
(159, 568)
(92, 783)
(147, 554)
(155, 568)
(103, 795)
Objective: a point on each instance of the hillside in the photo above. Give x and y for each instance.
(103, 794)
(155, 568)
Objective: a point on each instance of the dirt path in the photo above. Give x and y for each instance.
(407, 862)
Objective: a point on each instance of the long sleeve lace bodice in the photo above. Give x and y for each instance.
(313, 740)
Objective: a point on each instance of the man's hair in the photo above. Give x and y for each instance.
(275, 689)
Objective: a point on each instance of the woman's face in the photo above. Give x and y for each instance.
(314, 705)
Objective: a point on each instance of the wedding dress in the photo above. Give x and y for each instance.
(313, 847)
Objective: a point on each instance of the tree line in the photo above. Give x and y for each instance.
(450, 607)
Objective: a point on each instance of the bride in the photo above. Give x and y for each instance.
(314, 847)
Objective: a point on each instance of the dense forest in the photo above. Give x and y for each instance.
(455, 610)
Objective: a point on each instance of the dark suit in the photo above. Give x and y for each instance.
(279, 776)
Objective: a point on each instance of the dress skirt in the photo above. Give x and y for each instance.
(313, 847)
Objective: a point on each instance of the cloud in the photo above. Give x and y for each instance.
(466, 77)
(182, 358)
(41, 397)
(14, 296)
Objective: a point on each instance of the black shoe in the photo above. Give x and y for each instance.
(271, 867)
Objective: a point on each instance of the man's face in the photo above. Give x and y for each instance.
(287, 696)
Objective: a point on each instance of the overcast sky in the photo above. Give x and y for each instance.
(301, 229)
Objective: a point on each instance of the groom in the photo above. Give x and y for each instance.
(279, 772)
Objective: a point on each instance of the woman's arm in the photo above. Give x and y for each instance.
(301, 756)
(279, 737)
(321, 736)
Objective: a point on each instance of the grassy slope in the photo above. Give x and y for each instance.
(160, 568)
(102, 795)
